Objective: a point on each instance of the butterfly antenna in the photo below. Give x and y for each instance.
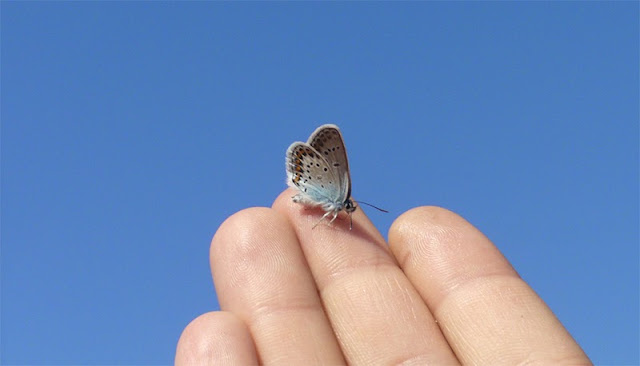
(377, 208)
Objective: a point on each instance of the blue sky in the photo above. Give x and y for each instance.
(131, 130)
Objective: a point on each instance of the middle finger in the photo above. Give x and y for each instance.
(376, 313)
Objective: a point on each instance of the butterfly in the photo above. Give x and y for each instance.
(319, 170)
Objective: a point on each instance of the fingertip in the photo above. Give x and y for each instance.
(247, 225)
(248, 237)
(215, 338)
(284, 199)
(416, 220)
(454, 251)
(246, 218)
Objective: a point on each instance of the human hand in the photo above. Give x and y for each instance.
(439, 293)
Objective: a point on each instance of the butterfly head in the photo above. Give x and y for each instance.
(349, 206)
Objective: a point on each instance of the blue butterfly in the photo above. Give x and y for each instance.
(319, 170)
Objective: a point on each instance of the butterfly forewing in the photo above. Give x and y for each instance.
(312, 174)
(327, 140)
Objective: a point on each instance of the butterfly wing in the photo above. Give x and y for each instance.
(327, 140)
(313, 176)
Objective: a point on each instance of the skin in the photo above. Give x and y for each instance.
(438, 293)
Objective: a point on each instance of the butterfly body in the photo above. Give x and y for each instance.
(319, 170)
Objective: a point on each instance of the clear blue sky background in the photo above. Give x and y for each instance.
(130, 131)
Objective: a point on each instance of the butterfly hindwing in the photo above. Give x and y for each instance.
(311, 174)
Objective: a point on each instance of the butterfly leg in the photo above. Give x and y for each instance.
(335, 214)
(323, 217)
